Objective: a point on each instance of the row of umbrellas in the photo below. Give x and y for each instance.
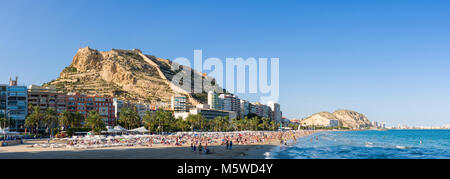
(120, 129)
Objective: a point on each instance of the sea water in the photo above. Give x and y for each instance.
(369, 144)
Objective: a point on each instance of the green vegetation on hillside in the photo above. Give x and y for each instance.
(70, 69)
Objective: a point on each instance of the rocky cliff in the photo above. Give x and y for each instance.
(345, 118)
(124, 74)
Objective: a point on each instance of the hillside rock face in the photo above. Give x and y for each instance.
(123, 74)
(352, 119)
(345, 118)
(319, 119)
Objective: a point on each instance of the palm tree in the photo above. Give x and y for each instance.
(150, 122)
(196, 121)
(242, 124)
(32, 121)
(164, 119)
(215, 123)
(65, 119)
(161, 120)
(77, 120)
(272, 123)
(226, 123)
(221, 123)
(254, 123)
(50, 119)
(265, 123)
(179, 125)
(4, 122)
(129, 118)
(95, 122)
(234, 123)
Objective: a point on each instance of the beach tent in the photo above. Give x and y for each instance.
(6, 131)
(120, 129)
(140, 130)
(111, 130)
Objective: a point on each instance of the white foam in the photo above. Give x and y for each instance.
(400, 147)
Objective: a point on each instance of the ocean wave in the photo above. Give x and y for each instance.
(267, 155)
(369, 144)
(366, 145)
(401, 147)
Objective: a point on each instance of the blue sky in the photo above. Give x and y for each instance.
(387, 59)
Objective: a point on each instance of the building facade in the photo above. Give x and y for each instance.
(83, 104)
(141, 108)
(206, 112)
(118, 105)
(3, 99)
(179, 103)
(46, 97)
(230, 103)
(210, 114)
(214, 101)
(245, 108)
(17, 104)
(276, 111)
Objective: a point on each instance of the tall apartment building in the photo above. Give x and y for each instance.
(268, 112)
(214, 101)
(231, 103)
(227, 101)
(16, 106)
(245, 108)
(251, 108)
(276, 111)
(257, 109)
(3, 99)
(179, 103)
(46, 97)
(260, 110)
(83, 104)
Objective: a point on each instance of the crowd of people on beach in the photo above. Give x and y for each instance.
(198, 141)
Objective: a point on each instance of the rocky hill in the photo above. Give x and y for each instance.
(345, 118)
(123, 74)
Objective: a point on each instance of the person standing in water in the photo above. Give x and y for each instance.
(228, 144)
(200, 148)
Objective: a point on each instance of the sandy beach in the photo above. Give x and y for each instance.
(158, 151)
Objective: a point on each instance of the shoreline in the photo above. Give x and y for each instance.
(157, 151)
